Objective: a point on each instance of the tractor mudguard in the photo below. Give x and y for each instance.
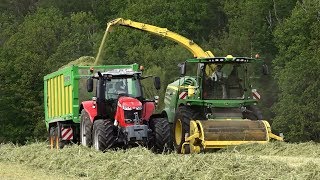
(91, 110)
(148, 108)
(169, 114)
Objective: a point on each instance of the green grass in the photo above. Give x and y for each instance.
(18, 171)
(271, 161)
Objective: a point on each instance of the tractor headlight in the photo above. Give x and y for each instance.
(139, 108)
(127, 108)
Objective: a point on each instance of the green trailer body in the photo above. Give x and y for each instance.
(65, 89)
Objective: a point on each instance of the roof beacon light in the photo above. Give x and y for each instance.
(229, 57)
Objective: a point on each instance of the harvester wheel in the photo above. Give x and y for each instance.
(103, 134)
(85, 129)
(162, 135)
(181, 125)
(253, 113)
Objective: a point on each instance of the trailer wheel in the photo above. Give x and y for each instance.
(162, 135)
(181, 125)
(85, 129)
(103, 134)
(54, 138)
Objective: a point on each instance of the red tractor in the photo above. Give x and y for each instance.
(119, 115)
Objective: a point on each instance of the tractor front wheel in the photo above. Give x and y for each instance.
(103, 134)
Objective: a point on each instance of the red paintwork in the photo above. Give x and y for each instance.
(128, 102)
(148, 108)
(88, 106)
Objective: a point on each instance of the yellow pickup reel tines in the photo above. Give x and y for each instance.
(216, 134)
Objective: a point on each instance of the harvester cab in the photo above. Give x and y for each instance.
(212, 105)
(123, 117)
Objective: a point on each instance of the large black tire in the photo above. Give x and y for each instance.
(85, 129)
(52, 137)
(55, 141)
(181, 125)
(103, 134)
(162, 135)
(253, 113)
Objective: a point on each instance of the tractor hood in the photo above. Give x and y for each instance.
(129, 103)
(128, 111)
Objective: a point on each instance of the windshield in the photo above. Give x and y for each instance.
(223, 81)
(123, 85)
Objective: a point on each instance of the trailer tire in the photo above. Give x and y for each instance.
(85, 129)
(103, 134)
(181, 125)
(54, 138)
(162, 135)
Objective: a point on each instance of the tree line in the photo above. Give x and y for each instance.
(38, 37)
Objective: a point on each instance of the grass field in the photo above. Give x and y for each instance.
(272, 161)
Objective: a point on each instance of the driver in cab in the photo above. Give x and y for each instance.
(120, 88)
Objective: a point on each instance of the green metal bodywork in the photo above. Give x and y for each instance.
(176, 88)
(65, 89)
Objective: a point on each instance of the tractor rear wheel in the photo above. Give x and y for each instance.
(103, 134)
(85, 129)
(162, 135)
(181, 125)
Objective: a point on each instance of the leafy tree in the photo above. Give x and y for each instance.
(148, 84)
(297, 68)
(250, 31)
(43, 42)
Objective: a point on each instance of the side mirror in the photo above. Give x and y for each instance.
(157, 83)
(90, 85)
(182, 68)
(265, 69)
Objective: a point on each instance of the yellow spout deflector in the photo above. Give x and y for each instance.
(215, 134)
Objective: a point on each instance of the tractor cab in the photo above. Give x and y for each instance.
(117, 88)
(122, 82)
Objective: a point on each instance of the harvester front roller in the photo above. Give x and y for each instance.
(216, 134)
